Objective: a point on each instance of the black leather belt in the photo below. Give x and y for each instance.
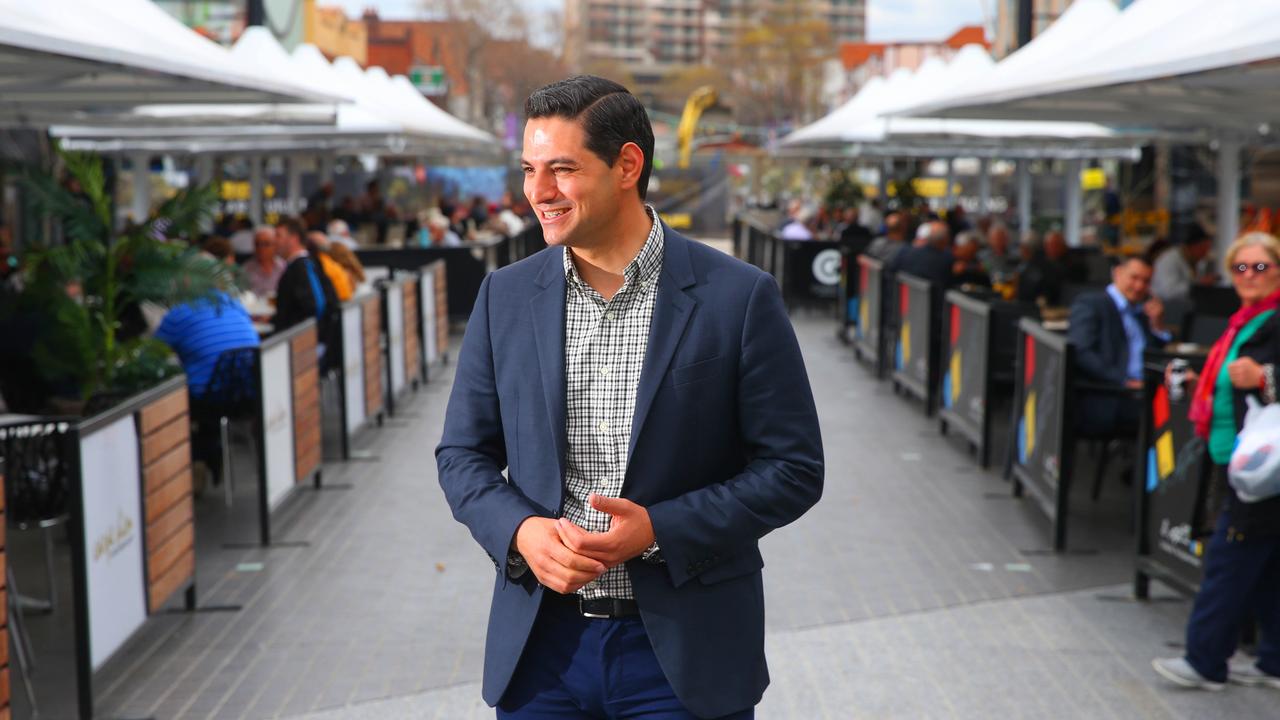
(599, 608)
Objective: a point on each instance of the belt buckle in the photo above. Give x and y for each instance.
(583, 611)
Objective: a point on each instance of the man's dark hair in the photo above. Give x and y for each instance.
(610, 116)
(293, 227)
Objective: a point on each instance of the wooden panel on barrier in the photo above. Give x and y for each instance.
(412, 346)
(442, 311)
(306, 405)
(164, 435)
(371, 324)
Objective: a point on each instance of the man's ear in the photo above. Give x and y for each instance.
(630, 165)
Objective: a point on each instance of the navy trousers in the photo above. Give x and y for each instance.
(1241, 574)
(580, 668)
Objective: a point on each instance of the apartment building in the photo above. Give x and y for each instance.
(649, 37)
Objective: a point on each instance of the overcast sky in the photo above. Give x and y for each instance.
(887, 19)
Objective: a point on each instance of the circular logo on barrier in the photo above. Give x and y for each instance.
(826, 267)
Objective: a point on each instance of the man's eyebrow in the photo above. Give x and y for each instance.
(553, 161)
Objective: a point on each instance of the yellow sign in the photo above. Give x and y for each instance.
(1029, 420)
(934, 187)
(678, 221)
(1165, 461)
(905, 339)
(956, 370)
(239, 190)
(1093, 179)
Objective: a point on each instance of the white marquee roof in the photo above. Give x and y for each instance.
(386, 116)
(869, 124)
(1184, 65)
(74, 59)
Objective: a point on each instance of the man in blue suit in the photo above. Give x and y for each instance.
(647, 399)
(1110, 329)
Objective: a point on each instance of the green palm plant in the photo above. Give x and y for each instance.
(84, 284)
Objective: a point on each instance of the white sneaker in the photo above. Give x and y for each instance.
(1246, 673)
(1180, 672)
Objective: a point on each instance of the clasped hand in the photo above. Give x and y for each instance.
(564, 557)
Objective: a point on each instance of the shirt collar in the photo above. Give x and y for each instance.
(1122, 303)
(646, 264)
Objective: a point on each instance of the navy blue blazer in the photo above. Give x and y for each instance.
(724, 447)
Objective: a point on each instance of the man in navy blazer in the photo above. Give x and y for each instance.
(1110, 329)
(648, 401)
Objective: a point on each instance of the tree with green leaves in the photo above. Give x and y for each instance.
(82, 286)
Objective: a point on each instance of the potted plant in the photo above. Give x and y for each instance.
(76, 320)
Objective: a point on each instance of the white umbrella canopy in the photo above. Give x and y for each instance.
(68, 59)
(874, 128)
(1190, 66)
(379, 120)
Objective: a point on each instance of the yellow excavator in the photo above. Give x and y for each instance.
(698, 102)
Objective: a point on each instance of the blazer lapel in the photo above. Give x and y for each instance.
(672, 310)
(547, 310)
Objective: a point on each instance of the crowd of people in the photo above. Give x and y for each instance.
(378, 220)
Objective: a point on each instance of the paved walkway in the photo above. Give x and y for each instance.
(916, 589)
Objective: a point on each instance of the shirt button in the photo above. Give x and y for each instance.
(603, 426)
(604, 370)
(609, 315)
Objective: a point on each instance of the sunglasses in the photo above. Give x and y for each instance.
(1242, 268)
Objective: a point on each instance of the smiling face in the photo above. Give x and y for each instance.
(574, 193)
(1252, 285)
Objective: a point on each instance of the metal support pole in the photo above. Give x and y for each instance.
(1228, 195)
(255, 189)
(1024, 195)
(295, 185)
(326, 168)
(1073, 209)
(984, 186)
(886, 174)
(141, 205)
(255, 13)
(949, 198)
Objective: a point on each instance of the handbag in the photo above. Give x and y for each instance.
(1254, 471)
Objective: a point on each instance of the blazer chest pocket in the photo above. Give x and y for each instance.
(695, 371)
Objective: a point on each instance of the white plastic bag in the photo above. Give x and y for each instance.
(1254, 472)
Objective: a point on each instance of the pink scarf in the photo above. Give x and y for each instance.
(1201, 412)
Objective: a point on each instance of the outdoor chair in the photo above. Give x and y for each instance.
(231, 396)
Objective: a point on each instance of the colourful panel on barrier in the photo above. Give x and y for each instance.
(955, 325)
(1165, 460)
(1160, 407)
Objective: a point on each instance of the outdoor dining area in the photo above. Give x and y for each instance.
(125, 470)
(1005, 360)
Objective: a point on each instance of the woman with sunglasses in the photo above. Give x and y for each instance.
(1242, 565)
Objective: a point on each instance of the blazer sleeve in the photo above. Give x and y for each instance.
(472, 452)
(1087, 333)
(778, 424)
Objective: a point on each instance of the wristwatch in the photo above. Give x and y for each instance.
(653, 554)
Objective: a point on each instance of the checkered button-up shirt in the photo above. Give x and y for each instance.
(604, 349)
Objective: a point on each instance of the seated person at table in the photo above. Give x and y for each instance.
(1044, 270)
(439, 233)
(199, 332)
(1110, 329)
(997, 259)
(852, 233)
(1178, 268)
(262, 271)
(967, 268)
(317, 244)
(930, 257)
(304, 291)
(894, 241)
